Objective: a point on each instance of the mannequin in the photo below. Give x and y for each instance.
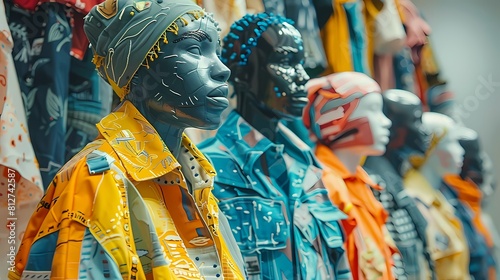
(444, 155)
(464, 194)
(487, 188)
(405, 223)
(269, 183)
(167, 225)
(345, 117)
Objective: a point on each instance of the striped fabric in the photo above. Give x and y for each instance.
(332, 99)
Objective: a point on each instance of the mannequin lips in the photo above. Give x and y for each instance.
(299, 99)
(217, 97)
(296, 105)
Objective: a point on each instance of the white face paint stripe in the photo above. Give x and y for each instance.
(179, 77)
(176, 93)
(170, 56)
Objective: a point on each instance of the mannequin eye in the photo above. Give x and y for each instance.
(194, 50)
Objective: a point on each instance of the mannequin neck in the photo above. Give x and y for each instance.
(170, 134)
(350, 160)
(430, 173)
(262, 120)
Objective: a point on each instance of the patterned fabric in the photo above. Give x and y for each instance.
(20, 182)
(80, 8)
(276, 204)
(125, 207)
(89, 100)
(367, 242)
(42, 60)
(406, 224)
(447, 243)
(465, 196)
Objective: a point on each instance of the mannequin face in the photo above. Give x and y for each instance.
(186, 85)
(278, 79)
(404, 109)
(448, 156)
(473, 161)
(372, 123)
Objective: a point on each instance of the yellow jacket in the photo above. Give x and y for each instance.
(125, 207)
(446, 239)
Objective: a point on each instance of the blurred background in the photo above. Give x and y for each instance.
(465, 36)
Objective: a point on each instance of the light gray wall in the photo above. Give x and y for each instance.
(466, 41)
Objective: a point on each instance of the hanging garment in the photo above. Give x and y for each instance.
(273, 196)
(383, 71)
(277, 7)
(79, 8)
(404, 71)
(389, 35)
(344, 37)
(466, 197)
(42, 60)
(389, 39)
(20, 182)
(125, 207)
(406, 224)
(302, 12)
(226, 12)
(88, 102)
(447, 243)
(368, 250)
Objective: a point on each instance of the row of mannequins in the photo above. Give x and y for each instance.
(325, 178)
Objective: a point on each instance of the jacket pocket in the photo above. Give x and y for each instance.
(257, 223)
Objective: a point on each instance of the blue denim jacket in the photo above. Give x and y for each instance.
(276, 204)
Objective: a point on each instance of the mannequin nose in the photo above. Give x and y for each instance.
(220, 72)
(386, 122)
(301, 78)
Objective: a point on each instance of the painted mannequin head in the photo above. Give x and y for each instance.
(345, 112)
(165, 63)
(441, 100)
(266, 56)
(489, 183)
(444, 154)
(408, 140)
(473, 162)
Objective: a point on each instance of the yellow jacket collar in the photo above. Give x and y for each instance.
(139, 146)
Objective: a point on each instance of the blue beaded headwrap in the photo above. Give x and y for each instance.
(236, 46)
